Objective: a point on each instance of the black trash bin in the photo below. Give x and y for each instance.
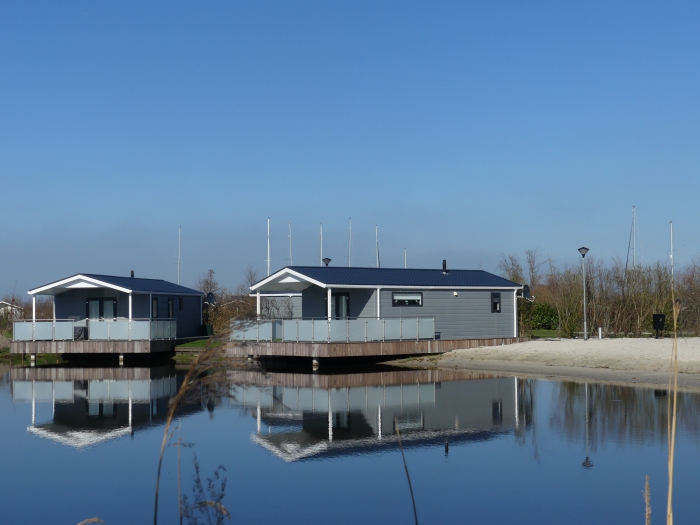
(659, 321)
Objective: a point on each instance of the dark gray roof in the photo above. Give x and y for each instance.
(143, 285)
(339, 275)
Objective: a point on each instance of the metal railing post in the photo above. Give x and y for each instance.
(313, 331)
(257, 336)
(417, 329)
(365, 330)
(347, 330)
(383, 329)
(401, 329)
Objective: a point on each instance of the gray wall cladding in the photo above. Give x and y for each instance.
(71, 305)
(464, 316)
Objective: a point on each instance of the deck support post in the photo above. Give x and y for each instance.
(32, 359)
(314, 364)
(121, 359)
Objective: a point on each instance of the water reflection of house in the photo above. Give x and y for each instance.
(297, 421)
(94, 405)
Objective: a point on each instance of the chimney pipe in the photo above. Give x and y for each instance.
(444, 266)
(132, 273)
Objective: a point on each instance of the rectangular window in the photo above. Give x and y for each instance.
(181, 302)
(407, 299)
(154, 308)
(496, 303)
(171, 308)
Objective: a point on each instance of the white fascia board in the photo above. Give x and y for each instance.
(281, 294)
(395, 287)
(171, 294)
(75, 278)
(284, 271)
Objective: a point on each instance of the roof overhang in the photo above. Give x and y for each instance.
(72, 283)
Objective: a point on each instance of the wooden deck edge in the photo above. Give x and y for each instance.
(373, 349)
(93, 347)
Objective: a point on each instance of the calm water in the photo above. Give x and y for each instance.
(304, 448)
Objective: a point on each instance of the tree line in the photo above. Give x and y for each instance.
(621, 299)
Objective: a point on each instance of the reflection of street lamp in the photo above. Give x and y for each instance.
(587, 463)
(583, 251)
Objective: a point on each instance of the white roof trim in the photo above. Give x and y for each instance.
(277, 294)
(289, 271)
(75, 278)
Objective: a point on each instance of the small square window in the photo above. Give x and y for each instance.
(496, 303)
(407, 299)
(171, 308)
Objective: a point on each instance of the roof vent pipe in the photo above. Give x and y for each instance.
(444, 266)
(132, 274)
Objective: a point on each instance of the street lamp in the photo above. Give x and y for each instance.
(583, 251)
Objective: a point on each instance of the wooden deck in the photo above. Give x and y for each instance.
(95, 347)
(387, 348)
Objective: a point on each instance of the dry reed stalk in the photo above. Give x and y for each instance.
(405, 466)
(672, 441)
(647, 501)
(202, 364)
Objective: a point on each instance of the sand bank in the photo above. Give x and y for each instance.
(640, 362)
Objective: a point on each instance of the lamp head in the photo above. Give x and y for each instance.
(326, 261)
(583, 251)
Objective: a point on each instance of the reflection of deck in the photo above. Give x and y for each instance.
(386, 348)
(393, 377)
(84, 374)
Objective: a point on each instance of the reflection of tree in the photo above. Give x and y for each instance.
(618, 414)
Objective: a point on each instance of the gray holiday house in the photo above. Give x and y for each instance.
(383, 304)
(110, 314)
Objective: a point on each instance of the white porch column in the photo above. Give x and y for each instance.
(129, 306)
(328, 303)
(379, 312)
(33, 308)
(150, 306)
(257, 301)
(54, 309)
(515, 313)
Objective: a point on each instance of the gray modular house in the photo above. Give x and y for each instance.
(373, 304)
(90, 307)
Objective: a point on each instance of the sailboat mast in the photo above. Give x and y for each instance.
(179, 246)
(268, 246)
(376, 237)
(291, 261)
(672, 262)
(350, 243)
(404, 258)
(320, 256)
(634, 237)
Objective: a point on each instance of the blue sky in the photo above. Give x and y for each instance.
(463, 129)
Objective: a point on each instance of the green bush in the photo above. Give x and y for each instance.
(543, 317)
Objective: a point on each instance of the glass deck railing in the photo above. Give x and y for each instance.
(336, 330)
(95, 330)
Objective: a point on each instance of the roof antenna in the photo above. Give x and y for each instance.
(291, 261)
(350, 242)
(321, 253)
(376, 236)
(132, 274)
(179, 244)
(404, 259)
(326, 261)
(444, 267)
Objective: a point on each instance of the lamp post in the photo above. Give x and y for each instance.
(583, 251)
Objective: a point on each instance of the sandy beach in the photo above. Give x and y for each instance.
(639, 362)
